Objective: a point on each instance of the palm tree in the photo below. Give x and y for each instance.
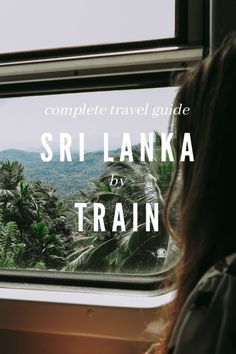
(39, 216)
(45, 247)
(20, 205)
(11, 173)
(129, 251)
(10, 246)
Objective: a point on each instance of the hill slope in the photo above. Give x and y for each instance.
(65, 177)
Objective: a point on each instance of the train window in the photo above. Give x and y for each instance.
(82, 177)
(79, 23)
(85, 154)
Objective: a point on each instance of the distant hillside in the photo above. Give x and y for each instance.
(65, 177)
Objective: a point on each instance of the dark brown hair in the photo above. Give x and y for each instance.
(203, 192)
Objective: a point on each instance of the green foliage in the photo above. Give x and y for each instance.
(45, 248)
(11, 173)
(36, 223)
(11, 248)
(34, 232)
(129, 251)
(66, 177)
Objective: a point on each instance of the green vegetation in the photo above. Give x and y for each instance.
(128, 251)
(65, 177)
(33, 228)
(38, 222)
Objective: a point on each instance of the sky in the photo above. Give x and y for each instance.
(23, 120)
(32, 24)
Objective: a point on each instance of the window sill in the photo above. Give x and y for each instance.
(86, 296)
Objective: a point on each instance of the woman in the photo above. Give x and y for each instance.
(202, 196)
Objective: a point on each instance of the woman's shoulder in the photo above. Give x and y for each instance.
(208, 319)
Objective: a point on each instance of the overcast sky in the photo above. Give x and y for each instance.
(34, 24)
(23, 120)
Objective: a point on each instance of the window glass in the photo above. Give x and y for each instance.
(81, 181)
(29, 25)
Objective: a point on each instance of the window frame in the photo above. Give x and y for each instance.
(188, 37)
(147, 282)
(154, 73)
(186, 33)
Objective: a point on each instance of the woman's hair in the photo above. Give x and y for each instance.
(199, 210)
